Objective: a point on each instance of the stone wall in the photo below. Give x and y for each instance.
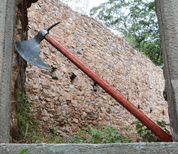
(65, 97)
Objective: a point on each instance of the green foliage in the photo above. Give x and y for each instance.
(28, 129)
(135, 19)
(100, 134)
(146, 134)
(25, 122)
(152, 50)
(25, 150)
(53, 137)
(163, 125)
(132, 41)
(90, 134)
(149, 49)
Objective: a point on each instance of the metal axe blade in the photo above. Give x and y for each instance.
(30, 50)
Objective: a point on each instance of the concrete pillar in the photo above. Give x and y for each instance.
(167, 12)
(7, 22)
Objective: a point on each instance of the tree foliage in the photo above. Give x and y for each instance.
(137, 22)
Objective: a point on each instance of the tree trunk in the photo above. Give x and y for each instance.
(167, 13)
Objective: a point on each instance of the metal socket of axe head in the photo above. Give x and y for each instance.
(30, 49)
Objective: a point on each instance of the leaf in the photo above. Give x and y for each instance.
(127, 140)
(24, 150)
(135, 122)
(118, 135)
(118, 141)
(113, 134)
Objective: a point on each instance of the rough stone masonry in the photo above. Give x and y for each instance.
(66, 98)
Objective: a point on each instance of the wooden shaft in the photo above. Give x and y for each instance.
(110, 90)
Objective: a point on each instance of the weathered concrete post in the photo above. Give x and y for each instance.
(7, 22)
(167, 12)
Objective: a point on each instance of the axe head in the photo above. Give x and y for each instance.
(30, 50)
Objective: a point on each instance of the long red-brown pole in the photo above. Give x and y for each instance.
(110, 90)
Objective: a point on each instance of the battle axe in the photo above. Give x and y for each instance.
(30, 51)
